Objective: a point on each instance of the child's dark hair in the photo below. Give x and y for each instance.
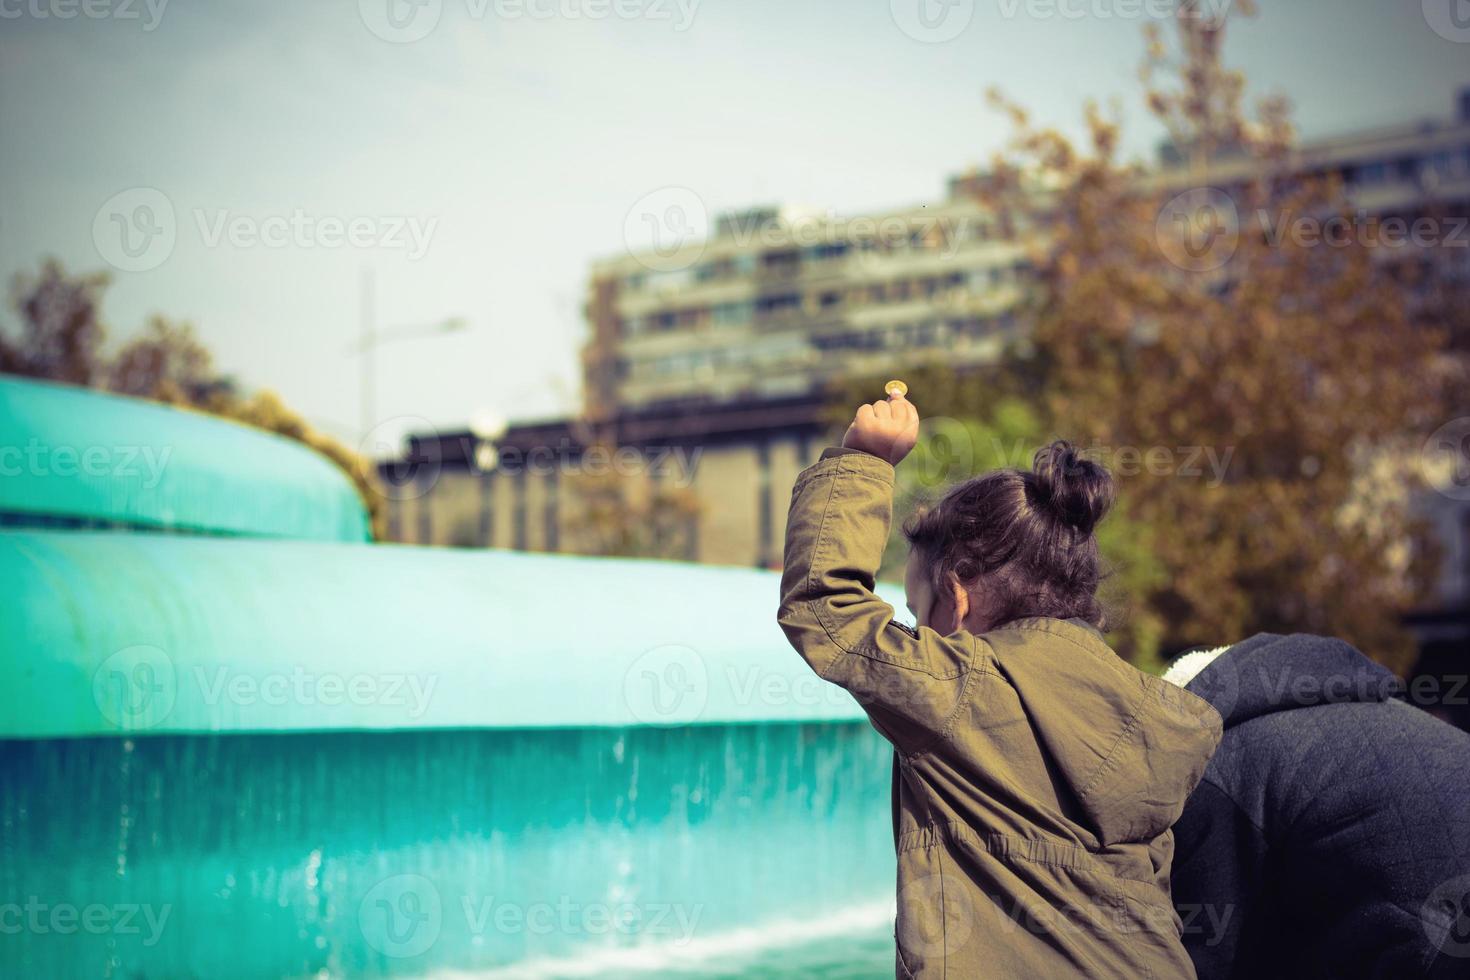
(1028, 535)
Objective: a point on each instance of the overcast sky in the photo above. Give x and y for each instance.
(478, 154)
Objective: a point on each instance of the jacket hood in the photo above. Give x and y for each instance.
(1129, 745)
(1269, 673)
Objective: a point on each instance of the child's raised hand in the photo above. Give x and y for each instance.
(888, 429)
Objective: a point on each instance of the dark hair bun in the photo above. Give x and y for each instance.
(1077, 490)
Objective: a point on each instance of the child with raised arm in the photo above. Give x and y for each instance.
(1036, 774)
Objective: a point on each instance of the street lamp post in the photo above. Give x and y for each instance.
(372, 338)
(487, 427)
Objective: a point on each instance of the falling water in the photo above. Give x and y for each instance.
(462, 852)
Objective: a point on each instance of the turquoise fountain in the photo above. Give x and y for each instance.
(241, 740)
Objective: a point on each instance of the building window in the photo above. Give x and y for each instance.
(552, 515)
(519, 511)
(711, 271)
(670, 281)
(781, 263)
(765, 521)
(732, 314)
(487, 508)
(826, 252)
(780, 303)
(1446, 163)
(1370, 174)
(395, 519)
(426, 517)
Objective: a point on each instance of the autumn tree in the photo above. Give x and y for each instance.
(61, 337)
(61, 331)
(1197, 313)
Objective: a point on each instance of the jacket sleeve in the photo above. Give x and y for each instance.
(909, 681)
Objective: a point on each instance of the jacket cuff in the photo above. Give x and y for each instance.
(841, 460)
(832, 452)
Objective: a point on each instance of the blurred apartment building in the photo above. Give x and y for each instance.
(720, 355)
(780, 302)
(721, 349)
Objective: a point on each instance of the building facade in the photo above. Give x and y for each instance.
(777, 303)
(707, 486)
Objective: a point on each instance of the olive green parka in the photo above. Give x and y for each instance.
(1036, 774)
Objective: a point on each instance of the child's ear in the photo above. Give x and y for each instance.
(960, 596)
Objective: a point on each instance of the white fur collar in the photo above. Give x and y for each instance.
(1188, 667)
